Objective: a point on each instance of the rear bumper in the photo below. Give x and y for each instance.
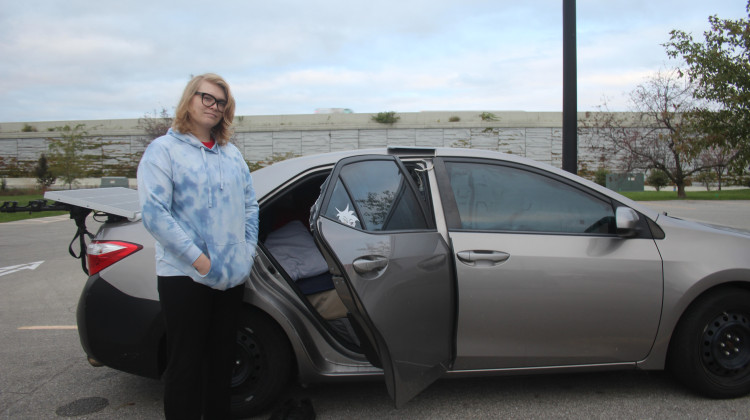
(119, 330)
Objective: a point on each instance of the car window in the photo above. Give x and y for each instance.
(497, 197)
(375, 196)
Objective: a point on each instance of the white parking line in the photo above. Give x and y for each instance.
(49, 327)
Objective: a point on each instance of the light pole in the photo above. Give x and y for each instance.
(570, 89)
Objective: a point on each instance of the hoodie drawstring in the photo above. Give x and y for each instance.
(221, 169)
(208, 173)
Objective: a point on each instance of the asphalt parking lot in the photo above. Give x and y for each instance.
(44, 374)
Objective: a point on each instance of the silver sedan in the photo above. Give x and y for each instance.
(408, 264)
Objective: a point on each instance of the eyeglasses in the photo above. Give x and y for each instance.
(209, 101)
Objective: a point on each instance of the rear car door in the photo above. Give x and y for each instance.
(391, 267)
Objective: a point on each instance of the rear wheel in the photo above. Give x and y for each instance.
(710, 350)
(263, 364)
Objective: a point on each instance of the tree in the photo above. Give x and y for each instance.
(657, 179)
(719, 159)
(155, 125)
(658, 134)
(69, 156)
(44, 176)
(720, 68)
(706, 178)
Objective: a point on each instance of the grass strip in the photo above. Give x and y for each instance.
(23, 199)
(741, 194)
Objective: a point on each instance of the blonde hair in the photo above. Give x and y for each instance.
(221, 131)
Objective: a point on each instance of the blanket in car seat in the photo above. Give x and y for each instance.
(293, 247)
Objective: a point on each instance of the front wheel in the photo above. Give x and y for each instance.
(262, 366)
(710, 349)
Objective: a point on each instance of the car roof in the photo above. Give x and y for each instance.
(267, 179)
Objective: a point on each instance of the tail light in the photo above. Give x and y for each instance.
(102, 254)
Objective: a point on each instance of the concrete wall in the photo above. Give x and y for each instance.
(537, 135)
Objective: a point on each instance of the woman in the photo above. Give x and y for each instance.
(198, 202)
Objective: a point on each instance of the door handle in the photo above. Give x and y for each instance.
(369, 264)
(482, 257)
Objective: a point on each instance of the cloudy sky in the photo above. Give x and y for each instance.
(94, 59)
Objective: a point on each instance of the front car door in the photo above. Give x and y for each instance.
(543, 278)
(392, 268)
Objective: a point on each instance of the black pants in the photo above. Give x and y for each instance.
(201, 335)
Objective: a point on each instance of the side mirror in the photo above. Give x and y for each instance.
(626, 220)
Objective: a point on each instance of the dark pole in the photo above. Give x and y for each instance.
(570, 89)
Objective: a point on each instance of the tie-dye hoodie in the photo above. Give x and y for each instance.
(195, 199)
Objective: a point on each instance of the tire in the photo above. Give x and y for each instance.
(710, 349)
(263, 367)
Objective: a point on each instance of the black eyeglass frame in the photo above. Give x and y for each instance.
(209, 100)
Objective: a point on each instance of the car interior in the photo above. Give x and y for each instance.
(284, 232)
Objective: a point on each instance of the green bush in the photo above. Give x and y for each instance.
(488, 116)
(389, 117)
(600, 176)
(657, 179)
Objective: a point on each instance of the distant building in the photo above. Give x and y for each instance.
(334, 111)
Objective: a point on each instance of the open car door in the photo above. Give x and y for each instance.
(391, 268)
